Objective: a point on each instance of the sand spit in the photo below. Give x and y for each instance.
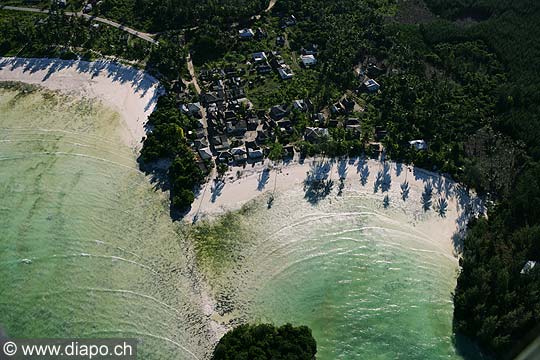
(131, 92)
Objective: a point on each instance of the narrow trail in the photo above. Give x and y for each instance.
(194, 80)
(139, 34)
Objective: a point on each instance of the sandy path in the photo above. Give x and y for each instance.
(131, 92)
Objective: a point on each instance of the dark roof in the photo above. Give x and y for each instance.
(278, 112)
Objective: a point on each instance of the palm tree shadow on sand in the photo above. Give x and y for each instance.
(317, 184)
(426, 196)
(263, 179)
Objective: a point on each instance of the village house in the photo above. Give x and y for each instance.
(308, 60)
(312, 49)
(276, 60)
(220, 143)
(288, 21)
(200, 143)
(237, 128)
(373, 70)
(380, 133)
(260, 34)
(280, 40)
(259, 57)
(353, 124)
(418, 144)
(246, 34)
(278, 112)
(225, 157)
(262, 136)
(239, 154)
(529, 266)
(315, 134)
(371, 85)
(302, 105)
(192, 109)
(205, 153)
(255, 153)
(318, 118)
(264, 68)
(285, 72)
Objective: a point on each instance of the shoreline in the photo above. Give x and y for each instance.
(443, 215)
(129, 91)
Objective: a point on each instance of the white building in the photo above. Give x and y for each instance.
(246, 33)
(205, 153)
(529, 265)
(285, 72)
(255, 153)
(371, 85)
(418, 144)
(259, 57)
(308, 60)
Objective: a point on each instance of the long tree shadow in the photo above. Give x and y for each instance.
(264, 177)
(386, 201)
(405, 189)
(342, 169)
(386, 178)
(383, 180)
(341, 186)
(426, 196)
(362, 162)
(364, 175)
(317, 184)
(439, 185)
(399, 169)
(139, 80)
(216, 189)
(442, 207)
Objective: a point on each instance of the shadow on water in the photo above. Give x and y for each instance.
(467, 349)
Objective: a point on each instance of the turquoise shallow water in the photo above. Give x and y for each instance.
(104, 258)
(369, 283)
(368, 289)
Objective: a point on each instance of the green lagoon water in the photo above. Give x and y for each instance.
(364, 278)
(87, 249)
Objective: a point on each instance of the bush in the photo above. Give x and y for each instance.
(266, 341)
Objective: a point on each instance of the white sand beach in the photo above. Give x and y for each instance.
(442, 215)
(129, 91)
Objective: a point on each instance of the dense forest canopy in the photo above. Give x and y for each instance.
(495, 302)
(160, 15)
(266, 342)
